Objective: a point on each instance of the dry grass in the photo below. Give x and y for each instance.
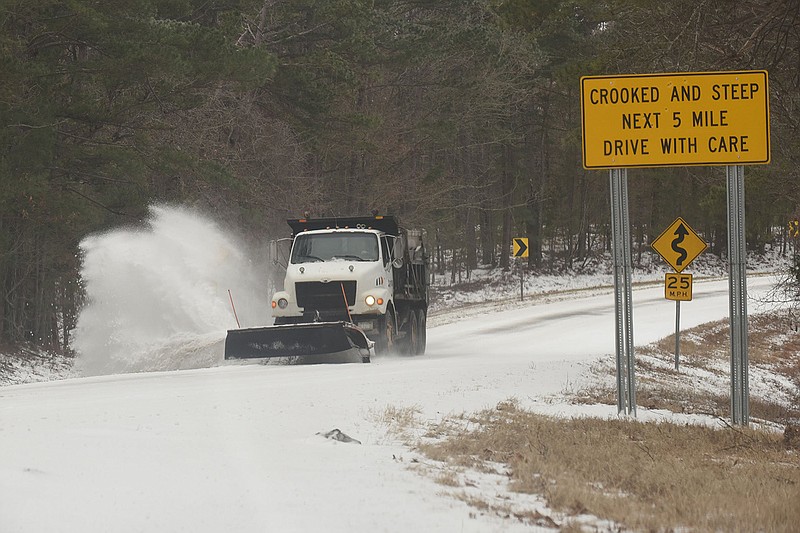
(772, 345)
(771, 340)
(402, 422)
(652, 477)
(648, 477)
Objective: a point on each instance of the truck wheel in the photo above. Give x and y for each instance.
(411, 340)
(422, 335)
(386, 333)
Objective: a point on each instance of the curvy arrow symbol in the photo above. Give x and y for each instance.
(522, 248)
(680, 234)
(794, 228)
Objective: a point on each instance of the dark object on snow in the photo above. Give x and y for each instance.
(336, 434)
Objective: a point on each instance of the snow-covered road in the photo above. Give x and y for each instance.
(235, 447)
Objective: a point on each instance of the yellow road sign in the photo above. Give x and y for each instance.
(794, 228)
(520, 246)
(692, 118)
(679, 245)
(678, 287)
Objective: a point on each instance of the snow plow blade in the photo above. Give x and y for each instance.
(316, 338)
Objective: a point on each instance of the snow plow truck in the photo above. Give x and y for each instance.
(357, 284)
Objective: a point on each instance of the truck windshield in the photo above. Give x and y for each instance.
(335, 246)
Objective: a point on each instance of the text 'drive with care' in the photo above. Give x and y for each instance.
(654, 120)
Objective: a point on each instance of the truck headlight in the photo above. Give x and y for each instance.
(371, 301)
(282, 303)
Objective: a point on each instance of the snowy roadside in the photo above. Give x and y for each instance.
(488, 291)
(28, 366)
(492, 290)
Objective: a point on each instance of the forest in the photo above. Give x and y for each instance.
(461, 117)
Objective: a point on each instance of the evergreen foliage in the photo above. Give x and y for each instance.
(462, 117)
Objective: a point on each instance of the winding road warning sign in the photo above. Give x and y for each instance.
(679, 245)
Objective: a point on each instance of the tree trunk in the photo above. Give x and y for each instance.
(487, 238)
(470, 241)
(534, 229)
(507, 203)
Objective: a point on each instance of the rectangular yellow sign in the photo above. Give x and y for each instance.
(678, 287)
(694, 118)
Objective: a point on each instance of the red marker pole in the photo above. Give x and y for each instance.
(230, 296)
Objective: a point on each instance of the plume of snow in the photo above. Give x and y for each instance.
(157, 295)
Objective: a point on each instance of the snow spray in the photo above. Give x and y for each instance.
(157, 296)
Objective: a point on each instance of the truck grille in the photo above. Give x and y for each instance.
(325, 296)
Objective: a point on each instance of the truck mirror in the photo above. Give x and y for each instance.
(398, 252)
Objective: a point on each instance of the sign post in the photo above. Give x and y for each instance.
(737, 278)
(623, 291)
(679, 245)
(677, 334)
(684, 119)
(678, 287)
(520, 249)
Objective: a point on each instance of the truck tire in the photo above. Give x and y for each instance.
(411, 339)
(422, 335)
(387, 327)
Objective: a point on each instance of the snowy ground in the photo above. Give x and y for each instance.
(185, 442)
(236, 447)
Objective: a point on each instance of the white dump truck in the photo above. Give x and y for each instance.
(352, 284)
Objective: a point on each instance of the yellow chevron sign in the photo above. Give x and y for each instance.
(520, 246)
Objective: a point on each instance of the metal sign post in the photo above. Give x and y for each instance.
(677, 333)
(519, 247)
(737, 279)
(682, 250)
(678, 287)
(623, 298)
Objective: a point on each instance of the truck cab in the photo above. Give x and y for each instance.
(337, 274)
